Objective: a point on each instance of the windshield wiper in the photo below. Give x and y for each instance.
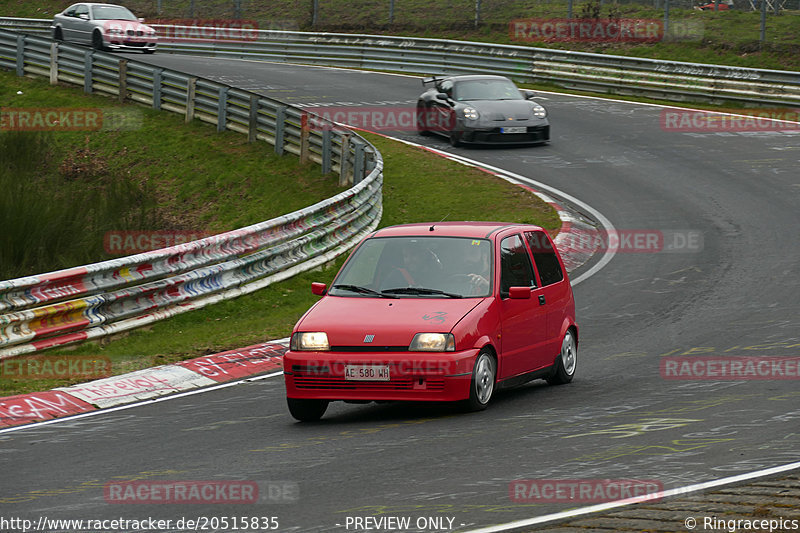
(420, 290)
(361, 290)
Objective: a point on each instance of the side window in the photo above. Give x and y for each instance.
(71, 11)
(81, 10)
(515, 265)
(545, 257)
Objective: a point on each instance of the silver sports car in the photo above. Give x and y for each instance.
(104, 27)
(481, 109)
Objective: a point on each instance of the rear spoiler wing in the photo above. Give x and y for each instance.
(430, 79)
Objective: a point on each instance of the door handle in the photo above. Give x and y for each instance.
(541, 299)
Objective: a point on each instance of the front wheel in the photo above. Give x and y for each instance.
(566, 362)
(455, 139)
(307, 410)
(97, 41)
(58, 35)
(482, 386)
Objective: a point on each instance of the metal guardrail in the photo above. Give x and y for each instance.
(92, 301)
(669, 80)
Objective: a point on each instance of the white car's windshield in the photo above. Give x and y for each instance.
(486, 90)
(112, 13)
(417, 267)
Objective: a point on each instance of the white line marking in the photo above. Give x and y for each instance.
(517, 178)
(639, 499)
(138, 404)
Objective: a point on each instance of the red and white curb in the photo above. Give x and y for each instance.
(143, 384)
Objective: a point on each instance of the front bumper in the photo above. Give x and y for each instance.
(414, 376)
(121, 43)
(532, 135)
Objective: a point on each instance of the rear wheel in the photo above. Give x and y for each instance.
(566, 362)
(482, 386)
(307, 410)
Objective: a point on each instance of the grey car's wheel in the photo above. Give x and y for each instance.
(482, 385)
(58, 35)
(307, 410)
(566, 362)
(455, 139)
(97, 41)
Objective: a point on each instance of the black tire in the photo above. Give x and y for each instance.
(481, 388)
(58, 35)
(422, 111)
(97, 41)
(307, 410)
(566, 362)
(455, 139)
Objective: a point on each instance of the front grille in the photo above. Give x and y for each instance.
(334, 383)
(369, 348)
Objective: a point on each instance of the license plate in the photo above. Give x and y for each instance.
(366, 372)
(514, 129)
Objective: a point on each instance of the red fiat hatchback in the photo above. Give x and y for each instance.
(449, 311)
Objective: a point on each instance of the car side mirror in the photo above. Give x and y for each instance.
(527, 94)
(441, 96)
(141, 19)
(519, 293)
(319, 289)
(83, 16)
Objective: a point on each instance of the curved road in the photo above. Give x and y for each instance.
(734, 293)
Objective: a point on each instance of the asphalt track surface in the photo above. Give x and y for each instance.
(736, 295)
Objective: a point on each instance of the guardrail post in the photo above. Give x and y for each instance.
(327, 151)
(123, 80)
(222, 109)
(345, 178)
(88, 60)
(304, 135)
(358, 162)
(191, 88)
(54, 63)
(157, 88)
(280, 128)
(252, 133)
(20, 55)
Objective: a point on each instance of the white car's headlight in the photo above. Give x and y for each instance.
(539, 111)
(471, 113)
(310, 341)
(433, 342)
(115, 31)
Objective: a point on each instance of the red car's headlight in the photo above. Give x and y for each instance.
(433, 342)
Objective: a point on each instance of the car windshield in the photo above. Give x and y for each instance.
(417, 267)
(112, 13)
(489, 89)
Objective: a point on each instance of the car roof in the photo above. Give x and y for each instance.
(467, 77)
(475, 230)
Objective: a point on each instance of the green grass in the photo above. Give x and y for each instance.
(418, 186)
(80, 185)
(729, 37)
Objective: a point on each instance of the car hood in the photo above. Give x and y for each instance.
(392, 321)
(125, 25)
(502, 109)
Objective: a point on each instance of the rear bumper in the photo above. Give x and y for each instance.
(413, 376)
